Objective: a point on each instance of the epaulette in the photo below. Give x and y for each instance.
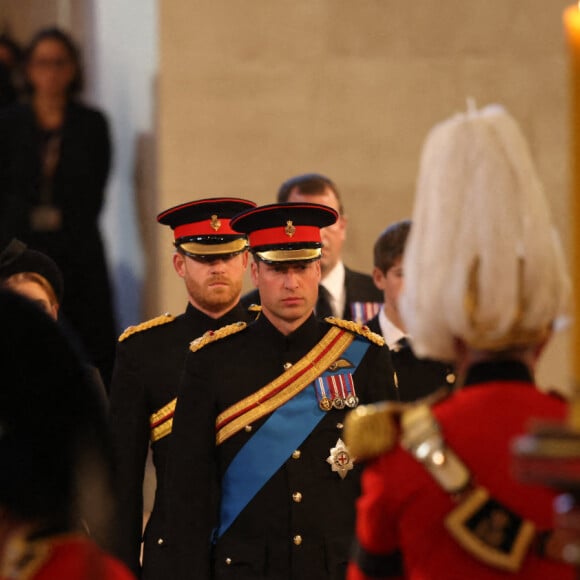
(371, 430)
(357, 328)
(255, 308)
(157, 321)
(213, 335)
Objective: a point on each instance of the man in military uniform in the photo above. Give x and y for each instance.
(259, 421)
(211, 259)
(343, 292)
(483, 289)
(416, 377)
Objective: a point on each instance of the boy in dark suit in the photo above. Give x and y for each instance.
(416, 377)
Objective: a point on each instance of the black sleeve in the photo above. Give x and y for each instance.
(190, 475)
(130, 433)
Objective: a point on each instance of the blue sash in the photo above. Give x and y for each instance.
(282, 433)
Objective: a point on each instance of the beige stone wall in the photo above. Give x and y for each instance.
(254, 91)
(22, 18)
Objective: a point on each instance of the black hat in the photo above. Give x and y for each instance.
(285, 232)
(50, 414)
(202, 228)
(16, 258)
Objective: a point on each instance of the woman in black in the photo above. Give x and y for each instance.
(54, 161)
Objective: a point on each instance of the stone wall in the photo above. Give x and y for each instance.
(253, 91)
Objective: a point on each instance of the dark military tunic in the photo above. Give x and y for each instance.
(417, 377)
(147, 371)
(300, 524)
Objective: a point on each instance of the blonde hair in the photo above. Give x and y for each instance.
(11, 281)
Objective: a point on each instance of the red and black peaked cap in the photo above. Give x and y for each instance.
(202, 228)
(285, 232)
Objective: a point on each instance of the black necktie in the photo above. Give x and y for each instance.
(323, 308)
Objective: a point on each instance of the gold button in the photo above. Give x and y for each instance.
(296, 454)
(450, 378)
(297, 540)
(287, 365)
(247, 428)
(297, 496)
(339, 425)
(160, 541)
(228, 561)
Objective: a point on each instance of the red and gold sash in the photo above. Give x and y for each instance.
(285, 386)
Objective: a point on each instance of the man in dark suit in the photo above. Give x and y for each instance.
(259, 419)
(211, 258)
(344, 293)
(416, 377)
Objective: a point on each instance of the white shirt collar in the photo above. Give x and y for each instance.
(390, 332)
(334, 283)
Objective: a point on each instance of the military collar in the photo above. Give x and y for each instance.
(500, 370)
(238, 312)
(304, 334)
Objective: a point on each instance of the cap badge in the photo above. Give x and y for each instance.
(215, 223)
(290, 230)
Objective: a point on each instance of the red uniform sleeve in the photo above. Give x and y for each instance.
(376, 552)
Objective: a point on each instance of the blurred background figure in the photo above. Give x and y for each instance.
(54, 161)
(33, 275)
(485, 284)
(56, 463)
(10, 70)
(36, 276)
(416, 377)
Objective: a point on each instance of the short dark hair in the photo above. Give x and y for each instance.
(309, 184)
(59, 35)
(390, 245)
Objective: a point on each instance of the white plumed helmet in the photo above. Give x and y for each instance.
(483, 262)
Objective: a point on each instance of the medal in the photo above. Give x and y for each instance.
(325, 404)
(324, 401)
(351, 401)
(335, 388)
(340, 459)
(351, 398)
(338, 403)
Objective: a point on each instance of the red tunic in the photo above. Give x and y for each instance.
(403, 509)
(69, 557)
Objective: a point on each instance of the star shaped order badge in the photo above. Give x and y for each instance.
(340, 459)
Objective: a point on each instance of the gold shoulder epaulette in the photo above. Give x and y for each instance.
(357, 328)
(370, 430)
(157, 321)
(213, 335)
(255, 308)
